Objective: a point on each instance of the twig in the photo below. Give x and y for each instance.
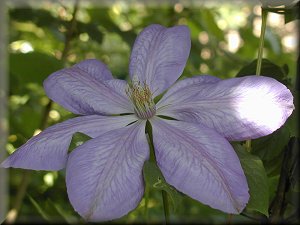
(26, 176)
(278, 205)
(70, 32)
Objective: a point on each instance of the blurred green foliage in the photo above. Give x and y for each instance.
(36, 42)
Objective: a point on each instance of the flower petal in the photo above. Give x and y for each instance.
(48, 150)
(104, 175)
(118, 86)
(237, 108)
(159, 55)
(200, 163)
(95, 68)
(81, 93)
(174, 92)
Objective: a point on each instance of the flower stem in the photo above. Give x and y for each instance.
(164, 193)
(248, 145)
(261, 41)
(166, 207)
(229, 219)
(260, 56)
(147, 194)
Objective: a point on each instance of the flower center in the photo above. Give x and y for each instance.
(141, 97)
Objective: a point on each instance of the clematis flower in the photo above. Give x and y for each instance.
(104, 175)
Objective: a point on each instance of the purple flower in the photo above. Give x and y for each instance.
(104, 175)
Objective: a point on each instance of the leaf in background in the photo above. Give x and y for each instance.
(274, 41)
(257, 180)
(270, 149)
(68, 217)
(39, 209)
(105, 20)
(209, 24)
(246, 50)
(43, 18)
(290, 13)
(77, 140)
(25, 121)
(39, 17)
(292, 121)
(26, 110)
(273, 183)
(156, 181)
(32, 67)
(293, 164)
(286, 191)
(268, 69)
(91, 29)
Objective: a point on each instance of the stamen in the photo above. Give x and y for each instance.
(141, 97)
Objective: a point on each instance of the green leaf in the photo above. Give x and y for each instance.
(40, 17)
(273, 183)
(208, 22)
(33, 67)
(270, 149)
(290, 14)
(292, 121)
(77, 140)
(268, 69)
(91, 29)
(67, 216)
(156, 181)
(25, 120)
(257, 180)
(105, 20)
(293, 163)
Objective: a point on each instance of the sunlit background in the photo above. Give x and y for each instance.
(225, 38)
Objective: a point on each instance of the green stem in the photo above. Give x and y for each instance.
(229, 219)
(147, 194)
(166, 207)
(153, 159)
(261, 41)
(248, 145)
(260, 56)
(150, 142)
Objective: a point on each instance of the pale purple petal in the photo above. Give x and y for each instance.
(118, 86)
(95, 69)
(104, 175)
(159, 55)
(83, 94)
(48, 150)
(237, 108)
(200, 163)
(174, 92)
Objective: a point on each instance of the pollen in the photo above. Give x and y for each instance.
(142, 99)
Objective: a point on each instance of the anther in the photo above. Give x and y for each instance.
(141, 98)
